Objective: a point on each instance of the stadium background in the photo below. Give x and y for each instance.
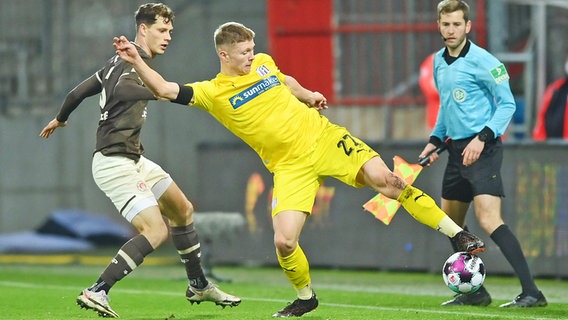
(364, 55)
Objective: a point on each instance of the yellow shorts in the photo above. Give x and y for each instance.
(131, 185)
(336, 154)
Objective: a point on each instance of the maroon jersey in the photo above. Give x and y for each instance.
(123, 101)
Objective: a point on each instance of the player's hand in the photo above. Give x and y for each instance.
(428, 149)
(472, 151)
(50, 127)
(320, 102)
(125, 49)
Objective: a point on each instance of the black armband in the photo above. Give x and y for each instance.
(435, 141)
(185, 95)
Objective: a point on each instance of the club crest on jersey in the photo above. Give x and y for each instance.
(499, 74)
(262, 71)
(253, 91)
(141, 185)
(459, 95)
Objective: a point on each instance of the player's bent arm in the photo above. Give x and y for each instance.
(313, 99)
(89, 87)
(161, 88)
(298, 91)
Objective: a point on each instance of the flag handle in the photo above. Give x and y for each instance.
(424, 161)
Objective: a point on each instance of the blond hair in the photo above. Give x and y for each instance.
(231, 33)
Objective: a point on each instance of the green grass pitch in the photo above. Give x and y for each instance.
(48, 291)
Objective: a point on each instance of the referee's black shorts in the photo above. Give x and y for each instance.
(462, 183)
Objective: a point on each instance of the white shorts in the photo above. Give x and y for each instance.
(132, 186)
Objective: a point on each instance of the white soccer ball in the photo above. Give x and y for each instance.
(463, 272)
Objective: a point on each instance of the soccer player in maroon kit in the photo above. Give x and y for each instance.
(140, 189)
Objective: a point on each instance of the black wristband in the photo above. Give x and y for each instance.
(185, 95)
(486, 134)
(435, 141)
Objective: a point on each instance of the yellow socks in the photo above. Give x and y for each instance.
(424, 209)
(297, 270)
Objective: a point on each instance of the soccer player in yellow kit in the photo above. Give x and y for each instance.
(280, 120)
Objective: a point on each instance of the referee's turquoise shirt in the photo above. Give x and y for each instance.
(474, 93)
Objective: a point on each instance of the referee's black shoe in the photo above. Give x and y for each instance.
(527, 301)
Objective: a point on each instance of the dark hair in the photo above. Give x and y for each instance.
(449, 6)
(149, 12)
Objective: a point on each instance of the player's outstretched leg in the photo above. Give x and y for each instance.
(213, 294)
(424, 209)
(298, 308)
(97, 301)
(468, 242)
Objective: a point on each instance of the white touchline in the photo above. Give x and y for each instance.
(333, 305)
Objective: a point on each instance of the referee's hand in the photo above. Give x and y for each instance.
(472, 151)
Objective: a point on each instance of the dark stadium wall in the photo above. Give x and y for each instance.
(341, 234)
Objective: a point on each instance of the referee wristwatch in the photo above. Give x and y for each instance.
(482, 136)
(486, 134)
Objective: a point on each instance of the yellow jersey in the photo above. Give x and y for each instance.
(261, 110)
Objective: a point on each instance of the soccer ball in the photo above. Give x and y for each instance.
(463, 272)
